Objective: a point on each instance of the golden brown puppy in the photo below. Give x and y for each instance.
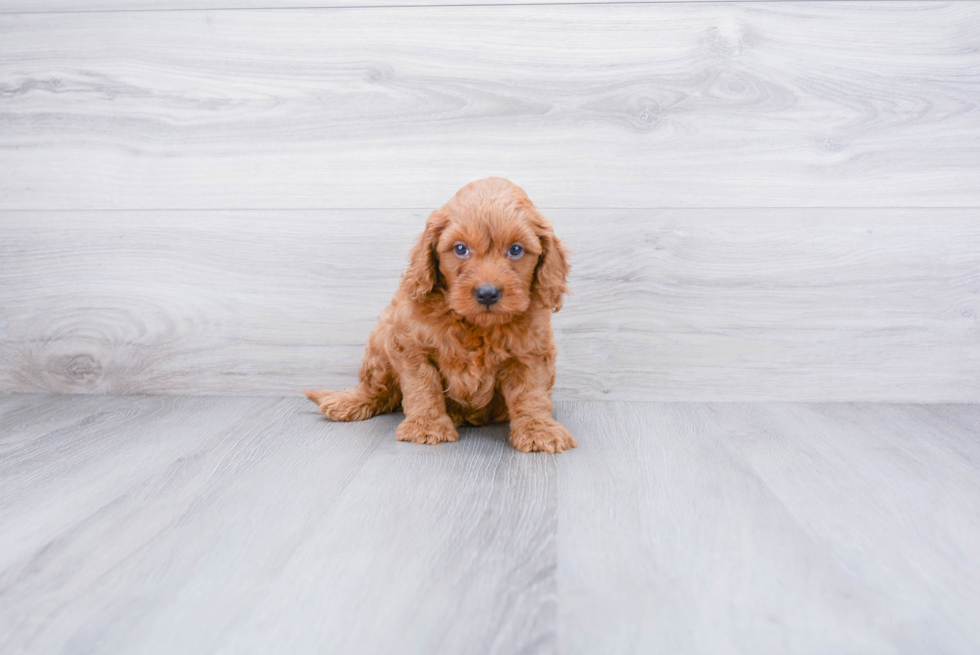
(467, 338)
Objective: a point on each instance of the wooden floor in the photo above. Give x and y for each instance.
(252, 525)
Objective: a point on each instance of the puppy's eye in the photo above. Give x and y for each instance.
(515, 251)
(461, 250)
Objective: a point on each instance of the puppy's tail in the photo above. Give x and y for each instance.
(377, 391)
(361, 402)
(319, 395)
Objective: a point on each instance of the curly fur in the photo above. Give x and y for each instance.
(445, 359)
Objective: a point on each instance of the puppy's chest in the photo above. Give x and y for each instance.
(469, 367)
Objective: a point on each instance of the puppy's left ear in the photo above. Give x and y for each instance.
(552, 271)
(423, 267)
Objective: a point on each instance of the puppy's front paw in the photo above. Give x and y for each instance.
(541, 435)
(427, 431)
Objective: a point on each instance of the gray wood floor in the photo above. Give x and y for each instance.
(233, 524)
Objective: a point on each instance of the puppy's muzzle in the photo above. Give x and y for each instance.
(487, 294)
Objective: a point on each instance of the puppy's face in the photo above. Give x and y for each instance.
(488, 264)
(491, 253)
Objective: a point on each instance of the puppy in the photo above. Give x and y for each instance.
(467, 338)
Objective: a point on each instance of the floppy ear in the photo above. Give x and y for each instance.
(423, 265)
(552, 270)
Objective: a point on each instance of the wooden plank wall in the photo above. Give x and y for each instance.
(76, 6)
(766, 201)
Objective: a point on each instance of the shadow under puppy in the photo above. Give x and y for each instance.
(467, 338)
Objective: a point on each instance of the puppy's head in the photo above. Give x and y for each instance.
(491, 253)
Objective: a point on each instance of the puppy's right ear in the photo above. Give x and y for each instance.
(423, 263)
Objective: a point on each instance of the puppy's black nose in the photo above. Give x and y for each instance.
(487, 294)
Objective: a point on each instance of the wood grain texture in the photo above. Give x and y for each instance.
(233, 524)
(253, 525)
(670, 104)
(676, 304)
(74, 6)
(768, 528)
(25, 418)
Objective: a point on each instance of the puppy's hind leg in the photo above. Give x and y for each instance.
(377, 392)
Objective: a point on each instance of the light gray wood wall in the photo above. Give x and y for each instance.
(45, 6)
(749, 304)
(864, 104)
(765, 200)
